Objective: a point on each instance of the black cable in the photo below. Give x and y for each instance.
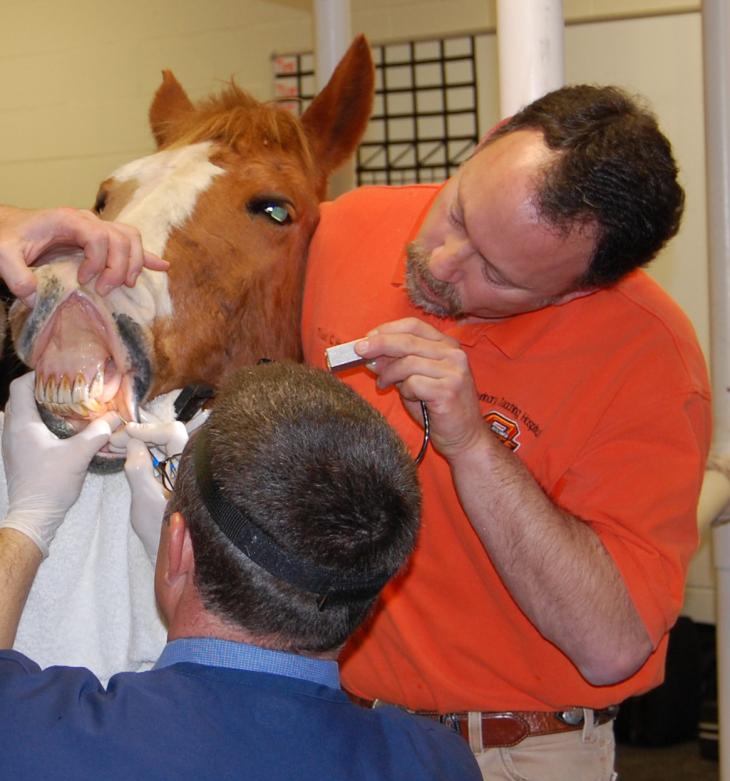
(426, 433)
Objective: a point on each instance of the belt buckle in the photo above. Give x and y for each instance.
(451, 721)
(573, 717)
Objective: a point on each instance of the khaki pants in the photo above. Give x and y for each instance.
(581, 755)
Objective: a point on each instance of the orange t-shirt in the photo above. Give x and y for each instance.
(606, 401)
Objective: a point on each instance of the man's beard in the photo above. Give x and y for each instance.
(418, 277)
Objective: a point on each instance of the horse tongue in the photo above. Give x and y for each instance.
(75, 347)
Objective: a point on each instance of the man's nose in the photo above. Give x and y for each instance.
(447, 259)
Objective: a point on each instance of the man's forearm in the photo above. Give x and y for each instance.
(19, 562)
(553, 564)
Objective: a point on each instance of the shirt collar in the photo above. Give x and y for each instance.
(213, 652)
(511, 336)
(399, 275)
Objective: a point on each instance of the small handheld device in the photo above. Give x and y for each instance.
(343, 356)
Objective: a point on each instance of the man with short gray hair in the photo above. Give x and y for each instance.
(294, 504)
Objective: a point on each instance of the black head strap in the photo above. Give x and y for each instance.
(256, 544)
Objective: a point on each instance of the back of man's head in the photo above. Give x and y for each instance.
(301, 502)
(614, 172)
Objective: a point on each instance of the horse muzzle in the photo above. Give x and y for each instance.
(89, 359)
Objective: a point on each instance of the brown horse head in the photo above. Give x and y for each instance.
(231, 200)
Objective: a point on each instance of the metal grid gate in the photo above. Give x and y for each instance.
(425, 115)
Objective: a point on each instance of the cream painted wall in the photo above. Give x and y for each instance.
(661, 58)
(76, 78)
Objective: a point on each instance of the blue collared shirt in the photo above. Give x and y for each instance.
(242, 656)
(212, 709)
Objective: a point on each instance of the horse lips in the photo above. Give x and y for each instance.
(76, 376)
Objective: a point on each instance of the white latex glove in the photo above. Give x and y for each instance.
(44, 474)
(149, 498)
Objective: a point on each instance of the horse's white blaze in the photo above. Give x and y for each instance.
(168, 185)
(166, 188)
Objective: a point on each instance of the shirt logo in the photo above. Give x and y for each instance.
(505, 428)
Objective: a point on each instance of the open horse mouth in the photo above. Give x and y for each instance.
(77, 376)
(87, 363)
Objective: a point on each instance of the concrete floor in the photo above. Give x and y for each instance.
(682, 762)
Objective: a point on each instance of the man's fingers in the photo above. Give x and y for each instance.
(119, 439)
(113, 252)
(139, 470)
(138, 457)
(119, 255)
(172, 436)
(402, 345)
(95, 253)
(153, 262)
(136, 253)
(23, 385)
(22, 395)
(98, 432)
(20, 280)
(407, 325)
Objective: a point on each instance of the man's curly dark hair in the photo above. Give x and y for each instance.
(614, 172)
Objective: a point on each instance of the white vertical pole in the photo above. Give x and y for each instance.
(715, 29)
(530, 44)
(333, 34)
(715, 34)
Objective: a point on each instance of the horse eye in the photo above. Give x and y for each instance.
(100, 203)
(277, 211)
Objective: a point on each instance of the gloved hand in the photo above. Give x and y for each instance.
(44, 474)
(149, 498)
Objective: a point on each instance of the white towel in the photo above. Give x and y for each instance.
(92, 603)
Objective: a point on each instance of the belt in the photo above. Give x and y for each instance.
(508, 728)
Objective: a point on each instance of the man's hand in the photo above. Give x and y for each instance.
(44, 474)
(426, 365)
(149, 498)
(533, 543)
(112, 251)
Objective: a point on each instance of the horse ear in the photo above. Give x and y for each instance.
(170, 102)
(339, 114)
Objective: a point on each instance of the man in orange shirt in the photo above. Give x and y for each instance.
(569, 414)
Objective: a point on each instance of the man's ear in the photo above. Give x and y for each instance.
(179, 549)
(175, 570)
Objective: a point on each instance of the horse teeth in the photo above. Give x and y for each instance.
(40, 388)
(64, 390)
(92, 405)
(51, 390)
(80, 390)
(97, 386)
(62, 398)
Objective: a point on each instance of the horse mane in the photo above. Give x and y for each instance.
(234, 117)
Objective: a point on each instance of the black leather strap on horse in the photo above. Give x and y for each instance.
(258, 545)
(190, 401)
